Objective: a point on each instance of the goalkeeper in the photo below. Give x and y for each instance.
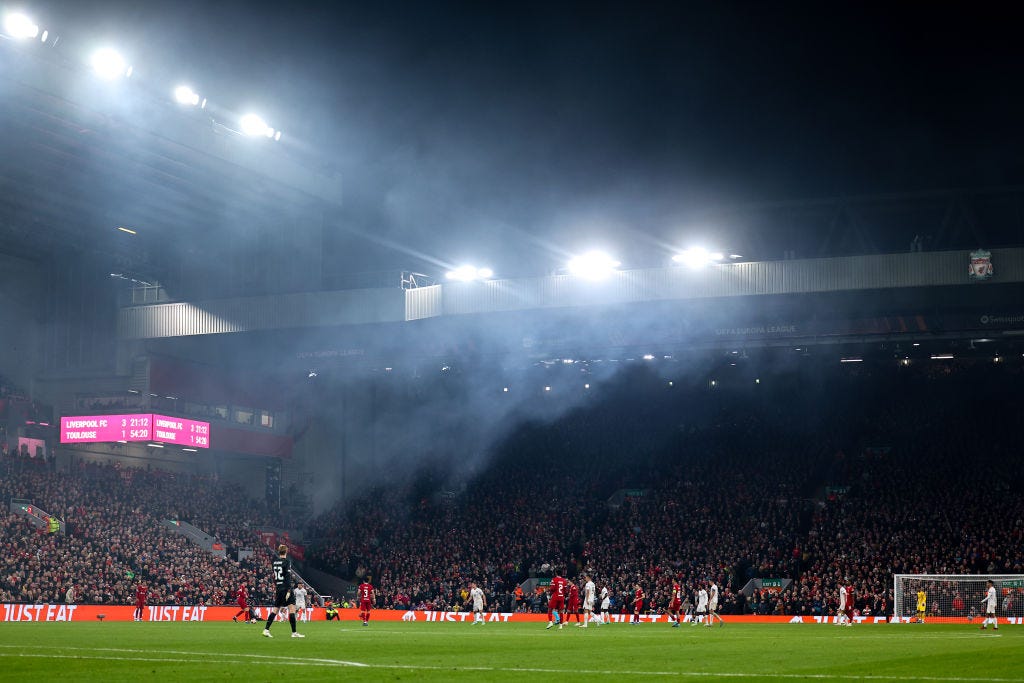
(284, 596)
(922, 605)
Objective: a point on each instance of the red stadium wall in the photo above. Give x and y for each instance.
(58, 612)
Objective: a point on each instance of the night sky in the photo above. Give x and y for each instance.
(470, 125)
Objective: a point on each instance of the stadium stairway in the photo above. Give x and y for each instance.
(328, 584)
(39, 518)
(197, 536)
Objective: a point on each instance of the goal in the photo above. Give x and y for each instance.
(953, 597)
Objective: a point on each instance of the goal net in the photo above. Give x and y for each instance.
(955, 596)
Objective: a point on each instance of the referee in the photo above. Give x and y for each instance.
(284, 596)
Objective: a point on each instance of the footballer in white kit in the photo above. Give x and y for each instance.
(606, 603)
(702, 606)
(588, 601)
(477, 596)
(989, 601)
(713, 606)
(300, 601)
(844, 596)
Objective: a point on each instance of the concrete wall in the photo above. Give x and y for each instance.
(21, 305)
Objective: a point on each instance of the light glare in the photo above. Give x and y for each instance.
(17, 25)
(253, 125)
(698, 257)
(185, 95)
(593, 265)
(469, 273)
(108, 64)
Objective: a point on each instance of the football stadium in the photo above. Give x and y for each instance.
(495, 341)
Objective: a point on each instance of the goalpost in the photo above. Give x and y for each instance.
(956, 595)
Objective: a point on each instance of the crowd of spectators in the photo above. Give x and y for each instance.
(116, 536)
(841, 480)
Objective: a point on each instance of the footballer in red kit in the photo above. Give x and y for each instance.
(140, 600)
(574, 602)
(365, 596)
(638, 603)
(675, 603)
(556, 602)
(242, 598)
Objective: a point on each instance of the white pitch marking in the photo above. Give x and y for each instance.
(274, 659)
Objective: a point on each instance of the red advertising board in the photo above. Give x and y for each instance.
(59, 612)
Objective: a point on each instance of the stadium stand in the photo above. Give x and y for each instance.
(900, 470)
(907, 470)
(115, 538)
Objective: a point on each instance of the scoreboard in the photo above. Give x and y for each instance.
(135, 427)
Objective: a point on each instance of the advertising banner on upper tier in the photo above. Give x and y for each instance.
(58, 612)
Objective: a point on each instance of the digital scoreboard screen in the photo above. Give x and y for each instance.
(135, 427)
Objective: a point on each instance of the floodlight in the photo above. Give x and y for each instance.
(698, 257)
(594, 265)
(253, 125)
(185, 95)
(469, 273)
(648, 356)
(17, 25)
(108, 64)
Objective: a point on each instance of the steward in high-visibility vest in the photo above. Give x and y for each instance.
(54, 525)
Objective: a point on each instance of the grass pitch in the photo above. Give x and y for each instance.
(495, 652)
